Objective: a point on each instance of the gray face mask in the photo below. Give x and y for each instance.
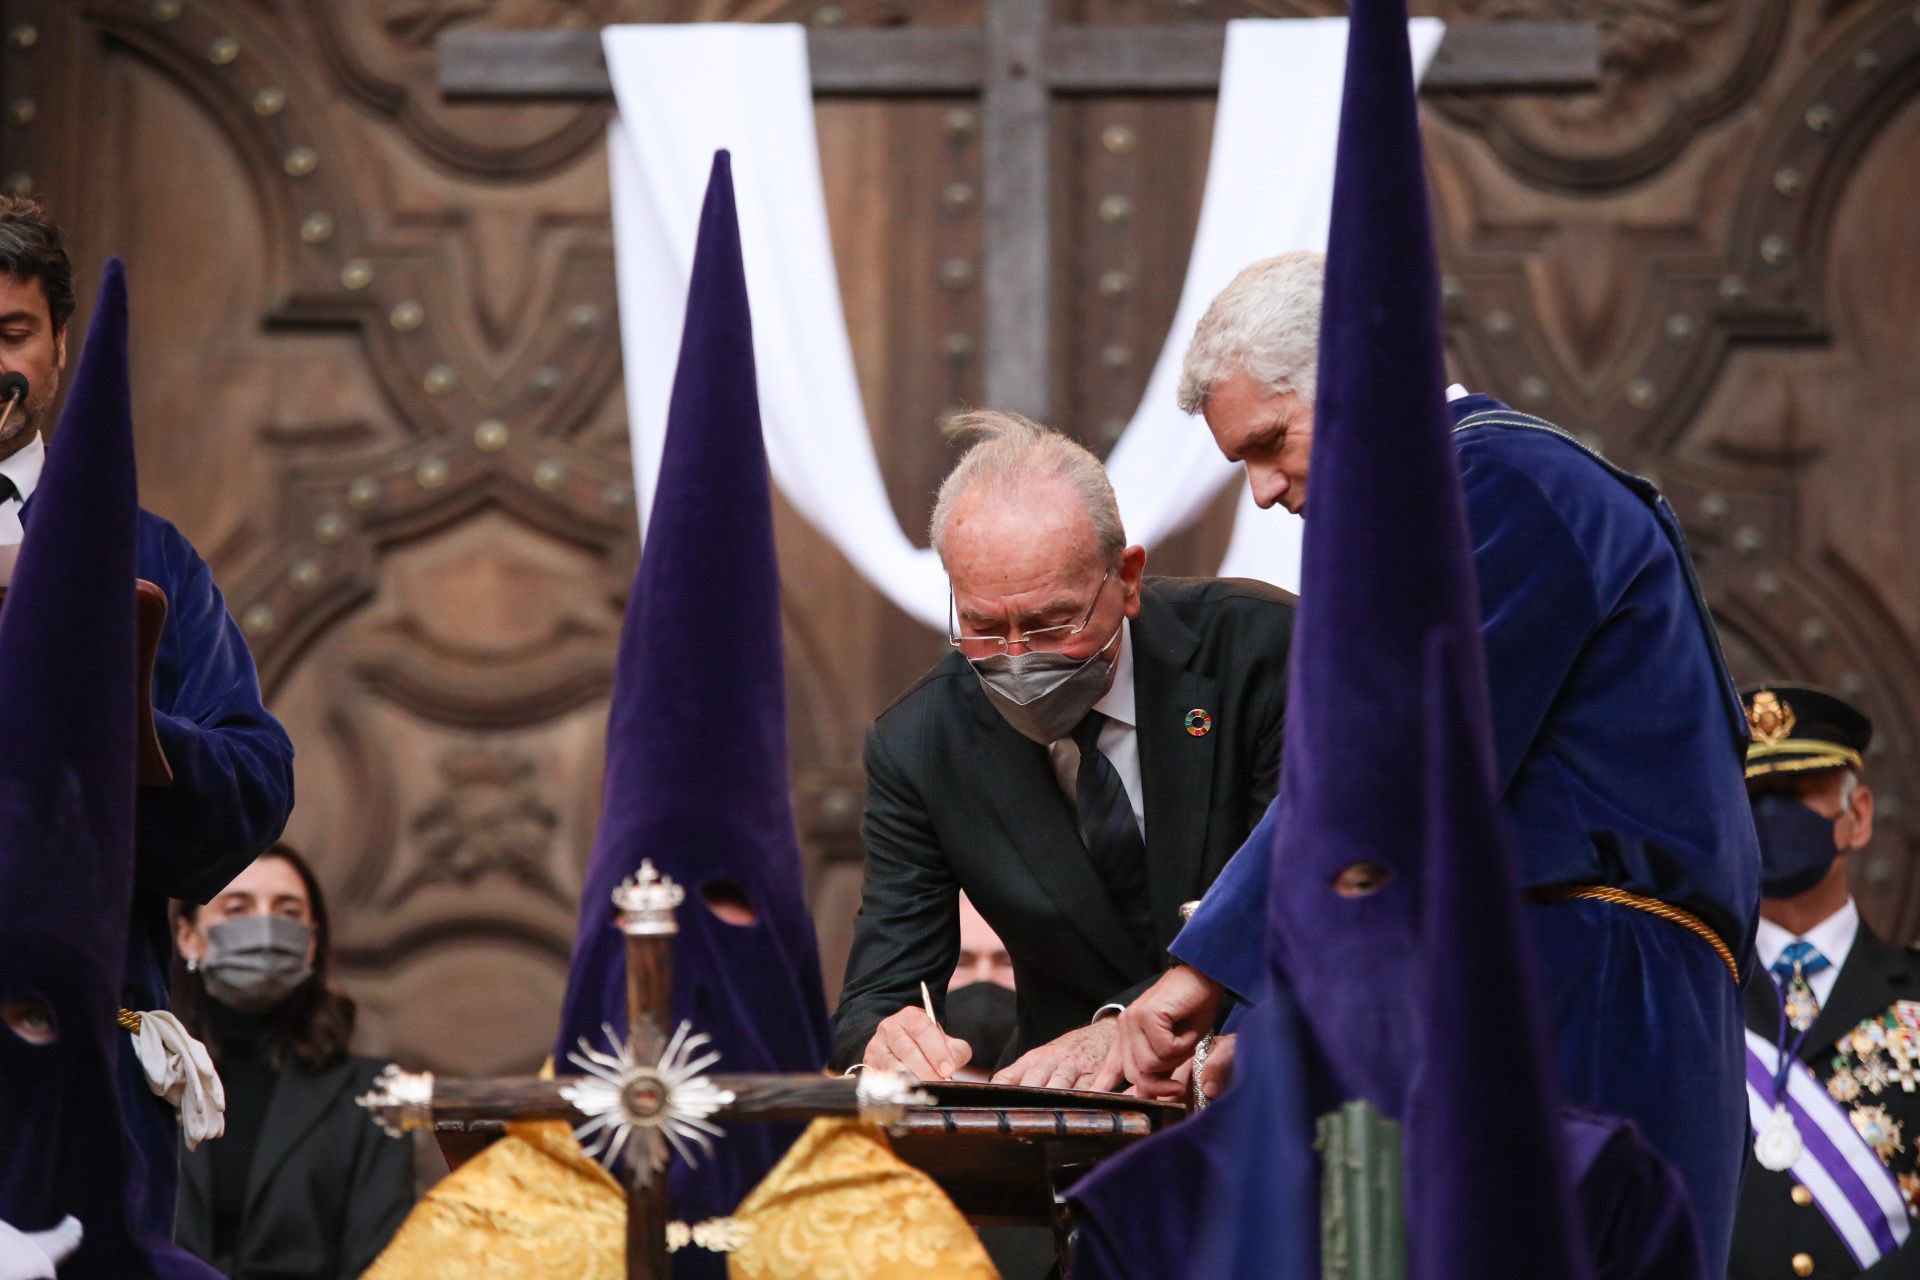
(1044, 695)
(255, 962)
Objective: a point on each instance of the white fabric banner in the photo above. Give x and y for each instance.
(687, 90)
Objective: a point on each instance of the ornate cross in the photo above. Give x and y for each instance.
(1016, 62)
(647, 1098)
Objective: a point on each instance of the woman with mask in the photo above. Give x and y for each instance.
(302, 1186)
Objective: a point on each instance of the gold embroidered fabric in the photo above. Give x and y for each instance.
(841, 1206)
(532, 1206)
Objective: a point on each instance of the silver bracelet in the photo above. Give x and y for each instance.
(1197, 1079)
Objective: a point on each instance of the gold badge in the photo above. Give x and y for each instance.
(1842, 1086)
(1881, 1130)
(1770, 719)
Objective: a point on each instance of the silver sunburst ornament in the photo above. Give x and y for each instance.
(649, 1104)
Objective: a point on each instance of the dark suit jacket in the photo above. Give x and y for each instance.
(956, 799)
(327, 1189)
(1771, 1227)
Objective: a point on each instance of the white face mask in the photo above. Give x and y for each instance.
(1044, 695)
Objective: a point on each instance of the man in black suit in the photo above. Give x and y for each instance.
(1832, 1177)
(1084, 763)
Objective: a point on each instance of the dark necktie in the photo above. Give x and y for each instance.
(8, 491)
(1111, 834)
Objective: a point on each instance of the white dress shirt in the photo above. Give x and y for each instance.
(1119, 740)
(23, 468)
(1832, 938)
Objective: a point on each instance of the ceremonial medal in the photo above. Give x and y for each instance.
(1880, 1129)
(1778, 1144)
(1873, 1075)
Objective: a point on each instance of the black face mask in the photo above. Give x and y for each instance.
(1796, 845)
(983, 1014)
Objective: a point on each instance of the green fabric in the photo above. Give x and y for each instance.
(1363, 1230)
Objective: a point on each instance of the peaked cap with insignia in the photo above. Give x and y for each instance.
(1798, 728)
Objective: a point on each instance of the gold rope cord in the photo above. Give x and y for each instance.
(128, 1020)
(1652, 906)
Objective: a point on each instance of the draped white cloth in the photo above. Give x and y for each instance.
(686, 90)
(179, 1069)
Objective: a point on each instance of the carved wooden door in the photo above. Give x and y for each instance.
(378, 384)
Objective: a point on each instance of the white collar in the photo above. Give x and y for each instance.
(1832, 937)
(23, 468)
(1117, 703)
(1456, 392)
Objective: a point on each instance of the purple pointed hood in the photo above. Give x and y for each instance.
(697, 774)
(1395, 905)
(1393, 925)
(67, 678)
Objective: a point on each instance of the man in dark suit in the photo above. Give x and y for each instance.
(1085, 762)
(1833, 1177)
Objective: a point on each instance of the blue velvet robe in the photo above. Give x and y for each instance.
(1619, 741)
(232, 791)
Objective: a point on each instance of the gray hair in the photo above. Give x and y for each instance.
(1266, 323)
(1011, 453)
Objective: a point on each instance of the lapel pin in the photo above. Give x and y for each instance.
(1199, 723)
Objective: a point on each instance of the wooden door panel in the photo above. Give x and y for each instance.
(378, 383)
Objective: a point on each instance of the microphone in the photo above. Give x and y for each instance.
(13, 390)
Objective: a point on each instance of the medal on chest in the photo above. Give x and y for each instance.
(1778, 1144)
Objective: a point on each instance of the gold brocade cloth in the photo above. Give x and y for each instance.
(532, 1206)
(839, 1206)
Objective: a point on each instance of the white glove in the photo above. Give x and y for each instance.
(179, 1070)
(32, 1255)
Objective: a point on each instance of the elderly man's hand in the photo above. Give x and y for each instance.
(1067, 1063)
(1158, 1031)
(910, 1041)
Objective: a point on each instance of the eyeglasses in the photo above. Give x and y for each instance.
(1038, 639)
